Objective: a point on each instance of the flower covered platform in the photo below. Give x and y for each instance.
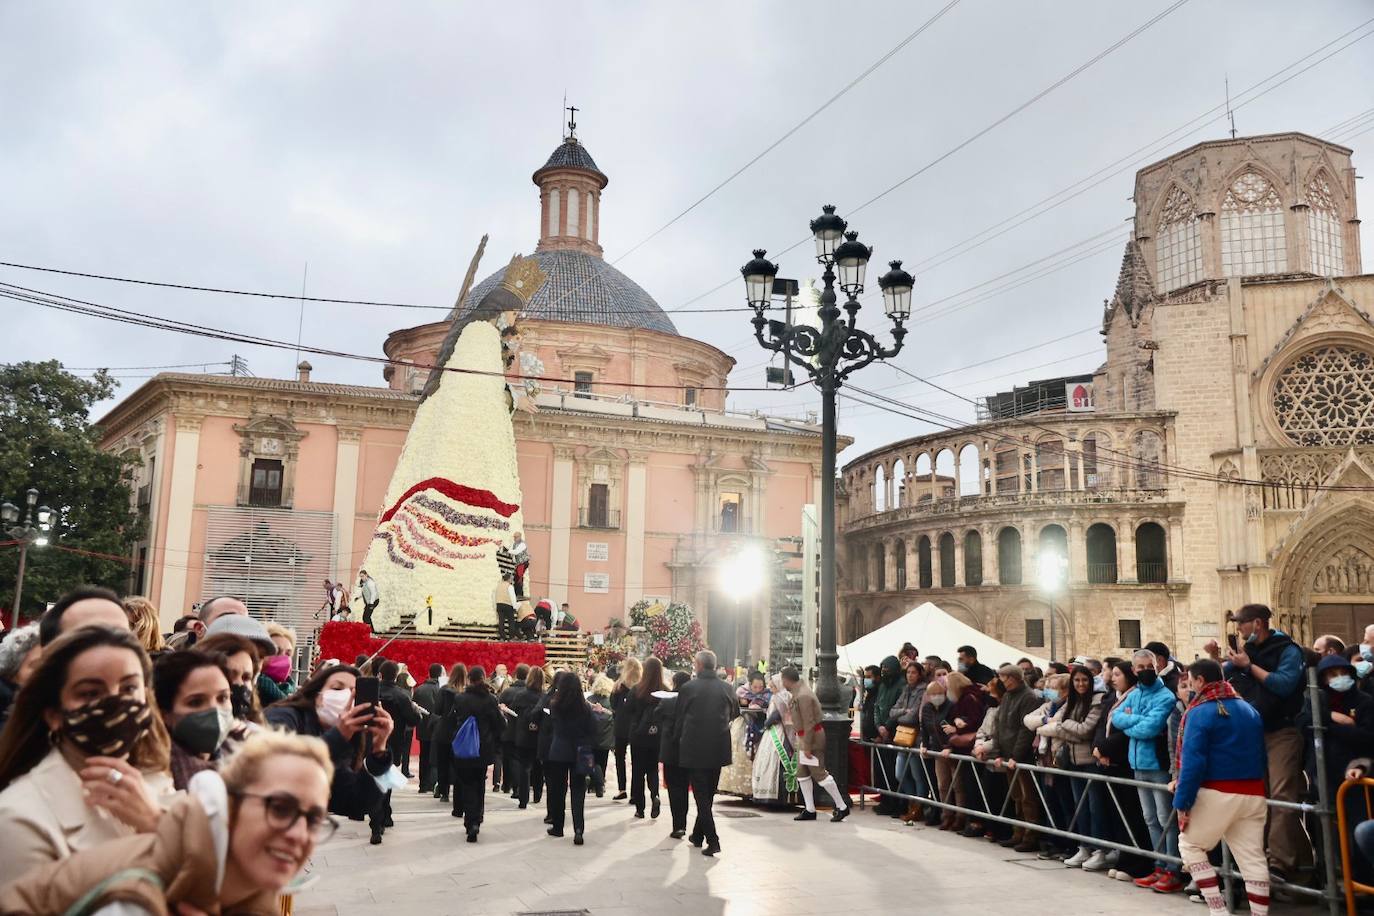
(471, 644)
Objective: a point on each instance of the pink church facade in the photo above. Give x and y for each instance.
(636, 482)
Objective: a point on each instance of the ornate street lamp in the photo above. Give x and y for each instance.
(32, 530)
(829, 354)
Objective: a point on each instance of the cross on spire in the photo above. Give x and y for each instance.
(572, 121)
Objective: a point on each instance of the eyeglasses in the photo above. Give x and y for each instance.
(284, 810)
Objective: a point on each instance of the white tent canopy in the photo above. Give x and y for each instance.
(932, 632)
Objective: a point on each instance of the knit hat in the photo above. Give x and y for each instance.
(1334, 661)
(247, 627)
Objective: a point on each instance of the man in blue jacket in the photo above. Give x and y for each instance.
(1268, 672)
(1143, 715)
(1219, 793)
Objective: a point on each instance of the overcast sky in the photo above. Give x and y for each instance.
(231, 144)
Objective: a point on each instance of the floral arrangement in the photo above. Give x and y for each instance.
(674, 633)
(608, 653)
(346, 641)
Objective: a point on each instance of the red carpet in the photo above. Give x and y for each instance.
(346, 641)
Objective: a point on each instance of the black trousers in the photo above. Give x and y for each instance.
(620, 771)
(562, 779)
(603, 756)
(367, 611)
(643, 773)
(443, 768)
(426, 768)
(508, 766)
(496, 772)
(469, 794)
(505, 622)
(522, 760)
(678, 782)
(704, 785)
(403, 750)
(536, 776)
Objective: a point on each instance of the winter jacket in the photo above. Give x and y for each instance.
(1279, 698)
(1010, 737)
(907, 709)
(640, 713)
(1108, 740)
(1044, 747)
(605, 723)
(705, 707)
(665, 715)
(427, 698)
(888, 688)
(183, 852)
(1343, 742)
(1144, 716)
(1219, 747)
(569, 731)
(620, 694)
(398, 704)
(972, 709)
(986, 729)
(540, 714)
(1075, 732)
(354, 791)
(476, 701)
(518, 698)
(933, 737)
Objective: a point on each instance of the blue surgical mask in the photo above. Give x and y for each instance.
(1341, 683)
(1099, 684)
(1363, 667)
(1050, 694)
(1367, 653)
(868, 683)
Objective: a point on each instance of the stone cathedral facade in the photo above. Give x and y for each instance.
(1223, 452)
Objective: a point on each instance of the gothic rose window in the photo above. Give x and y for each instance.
(1325, 397)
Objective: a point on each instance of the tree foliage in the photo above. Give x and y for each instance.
(47, 442)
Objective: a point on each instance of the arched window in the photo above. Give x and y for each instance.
(879, 489)
(1252, 233)
(944, 474)
(901, 565)
(1101, 554)
(1049, 463)
(923, 562)
(1151, 557)
(1324, 228)
(899, 484)
(947, 560)
(1054, 540)
(970, 471)
(1178, 248)
(880, 565)
(921, 480)
(1009, 556)
(1095, 477)
(1148, 453)
(973, 559)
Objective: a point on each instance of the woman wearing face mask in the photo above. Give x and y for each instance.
(241, 657)
(1049, 751)
(275, 681)
(83, 759)
(960, 728)
(1111, 755)
(323, 708)
(933, 715)
(1349, 721)
(192, 691)
(229, 846)
(1073, 726)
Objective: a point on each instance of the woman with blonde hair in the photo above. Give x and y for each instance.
(145, 622)
(630, 672)
(276, 681)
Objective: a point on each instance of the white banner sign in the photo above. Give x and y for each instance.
(1078, 397)
(596, 583)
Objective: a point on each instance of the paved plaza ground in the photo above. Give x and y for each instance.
(770, 865)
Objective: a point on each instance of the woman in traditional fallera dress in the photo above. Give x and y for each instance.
(775, 764)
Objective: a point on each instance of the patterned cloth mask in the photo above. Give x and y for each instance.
(109, 727)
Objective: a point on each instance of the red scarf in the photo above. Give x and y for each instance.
(1214, 691)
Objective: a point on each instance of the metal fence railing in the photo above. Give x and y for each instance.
(996, 797)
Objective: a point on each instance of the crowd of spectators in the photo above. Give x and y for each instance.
(1204, 743)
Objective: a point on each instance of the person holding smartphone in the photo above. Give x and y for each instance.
(324, 707)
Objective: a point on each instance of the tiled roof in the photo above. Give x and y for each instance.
(582, 287)
(572, 155)
(284, 385)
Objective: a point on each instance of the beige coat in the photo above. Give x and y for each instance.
(806, 721)
(43, 816)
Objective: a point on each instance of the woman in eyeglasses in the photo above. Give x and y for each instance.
(230, 845)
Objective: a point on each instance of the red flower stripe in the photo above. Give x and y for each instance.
(346, 641)
(437, 527)
(391, 549)
(418, 535)
(471, 496)
(451, 515)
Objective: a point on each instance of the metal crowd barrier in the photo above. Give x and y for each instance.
(1351, 885)
(1333, 892)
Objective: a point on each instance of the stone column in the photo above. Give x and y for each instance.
(172, 599)
(1125, 551)
(562, 500)
(992, 560)
(958, 562)
(636, 488)
(1078, 553)
(1178, 570)
(346, 502)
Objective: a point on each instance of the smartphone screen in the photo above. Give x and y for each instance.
(367, 690)
(1231, 641)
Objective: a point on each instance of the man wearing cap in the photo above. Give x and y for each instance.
(1268, 672)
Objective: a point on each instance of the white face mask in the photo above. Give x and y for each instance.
(937, 700)
(333, 704)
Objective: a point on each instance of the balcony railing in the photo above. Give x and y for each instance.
(721, 525)
(962, 504)
(1102, 573)
(1152, 572)
(608, 519)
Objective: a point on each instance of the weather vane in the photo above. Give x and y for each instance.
(572, 121)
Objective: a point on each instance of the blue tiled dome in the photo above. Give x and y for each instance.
(583, 287)
(570, 155)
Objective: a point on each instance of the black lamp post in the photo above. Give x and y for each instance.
(829, 354)
(33, 529)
